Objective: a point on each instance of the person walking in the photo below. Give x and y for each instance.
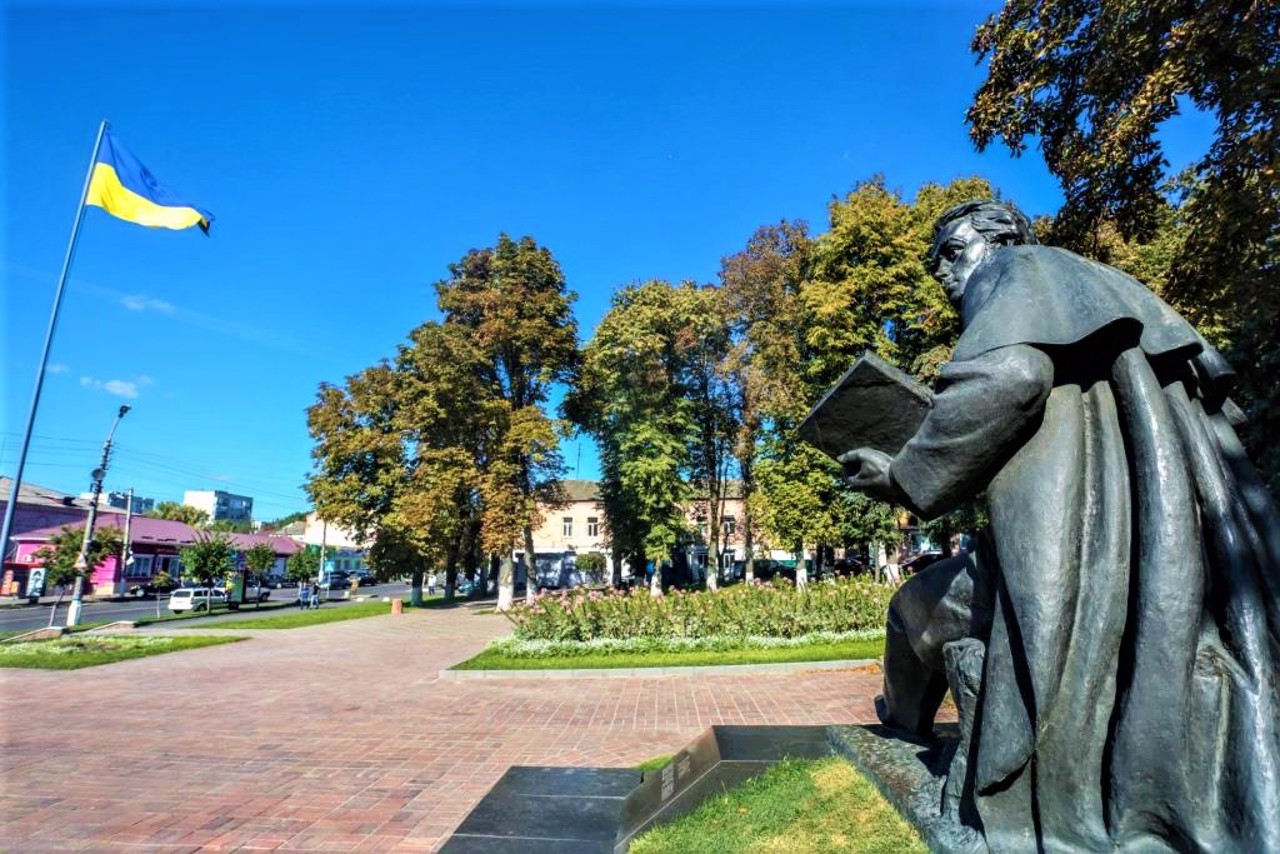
(314, 602)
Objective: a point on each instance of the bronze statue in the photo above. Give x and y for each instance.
(1113, 641)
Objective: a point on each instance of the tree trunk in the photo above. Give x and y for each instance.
(530, 567)
(450, 573)
(881, 558)
(655, 583)
(53, 612)
(802, 568)
(507, 583)
(415, 587)
(713, 543)
(615, 574)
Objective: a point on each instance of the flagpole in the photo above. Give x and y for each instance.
(48, 342)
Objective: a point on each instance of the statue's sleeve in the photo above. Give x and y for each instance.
(982, 410)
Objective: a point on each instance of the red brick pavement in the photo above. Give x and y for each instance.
(337, 737)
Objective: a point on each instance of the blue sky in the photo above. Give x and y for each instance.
(350, 155)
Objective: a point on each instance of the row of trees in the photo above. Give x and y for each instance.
(445, 451)
(443, 454)
(209, 561)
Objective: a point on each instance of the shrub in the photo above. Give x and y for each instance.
(778, 610)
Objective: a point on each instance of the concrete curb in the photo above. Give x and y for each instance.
(651, 672)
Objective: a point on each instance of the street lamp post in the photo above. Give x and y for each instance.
(82, 560)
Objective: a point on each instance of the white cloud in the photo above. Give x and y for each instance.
(120, 388)
(225, 478)
(58, 368)
(142, 302)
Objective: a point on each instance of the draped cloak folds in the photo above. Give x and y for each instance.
(1129, 691)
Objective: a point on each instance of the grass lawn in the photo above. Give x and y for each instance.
(297, 618)
(653, 764)
(856, 649)
(170, 616)
(76, 651)
(816, 806)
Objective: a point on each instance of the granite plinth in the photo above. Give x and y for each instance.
(910, 774)
(598, 810)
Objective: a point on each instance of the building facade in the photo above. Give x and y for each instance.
(156, 546)
(220, 506)
(120, 501)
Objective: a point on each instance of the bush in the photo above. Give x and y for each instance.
(778, 610)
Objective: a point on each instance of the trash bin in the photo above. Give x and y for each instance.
(397, 606)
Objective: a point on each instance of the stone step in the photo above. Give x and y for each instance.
(600, 810)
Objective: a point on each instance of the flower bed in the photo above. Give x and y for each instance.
(778, 610)
(521, 648)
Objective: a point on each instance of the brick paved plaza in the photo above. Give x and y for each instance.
(338, 737)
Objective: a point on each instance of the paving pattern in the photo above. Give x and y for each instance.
(339, 737)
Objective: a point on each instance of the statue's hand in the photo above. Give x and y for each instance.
(867, 470)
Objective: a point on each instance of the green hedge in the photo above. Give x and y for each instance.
(778, 610)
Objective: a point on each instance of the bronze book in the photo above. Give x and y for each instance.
(874, 405)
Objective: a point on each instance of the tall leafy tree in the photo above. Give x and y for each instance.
(761, 288)
(208, 560)
(1093, 81)
(60, 553)
(193, 516)
(512, 300)
(630, 397)
(364, 463)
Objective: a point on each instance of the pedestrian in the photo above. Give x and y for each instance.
(315, 597)
(431, 584)
(304, 594)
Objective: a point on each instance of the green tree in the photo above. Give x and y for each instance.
(284, 521)
(60, 553)
(259, 559)
(761, 287)
(448, 407)
(161, 582)
(364, 465)
(302, 566)
(513, 302)
(208, 561)
(630, 395)
(193, 516)
(1094, 81)
(230, 526)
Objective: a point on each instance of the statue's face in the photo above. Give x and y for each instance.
(961, 248)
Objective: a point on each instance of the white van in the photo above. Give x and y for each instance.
(195, 599)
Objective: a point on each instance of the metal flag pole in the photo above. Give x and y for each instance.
(48, 342)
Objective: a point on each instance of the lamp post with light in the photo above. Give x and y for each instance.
(82, 560)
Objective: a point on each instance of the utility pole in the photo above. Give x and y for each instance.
(82, 561)
(126, 552)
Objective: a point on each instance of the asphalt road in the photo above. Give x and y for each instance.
(20, 618)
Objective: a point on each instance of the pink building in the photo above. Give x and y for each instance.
(156, 544)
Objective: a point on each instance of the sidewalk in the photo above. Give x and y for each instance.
(339, 737)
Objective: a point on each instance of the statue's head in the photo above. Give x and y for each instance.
(964, 236)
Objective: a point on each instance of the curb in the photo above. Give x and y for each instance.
(631, 672)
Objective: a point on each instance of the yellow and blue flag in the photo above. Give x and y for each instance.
(123, 187)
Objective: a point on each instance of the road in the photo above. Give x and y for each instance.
(25, 618)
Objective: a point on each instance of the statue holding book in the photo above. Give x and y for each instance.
(1113, 641)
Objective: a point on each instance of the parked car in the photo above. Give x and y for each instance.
(256, 591)
(921, 561)
(147, 589)
(195, 599)
(336, 580)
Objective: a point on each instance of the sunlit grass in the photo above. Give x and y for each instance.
(852, 649)
(83, 650)
(796, 807)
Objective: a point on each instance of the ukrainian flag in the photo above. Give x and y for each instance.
(125, 188)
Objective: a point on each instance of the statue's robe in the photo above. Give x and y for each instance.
(1129, 693)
